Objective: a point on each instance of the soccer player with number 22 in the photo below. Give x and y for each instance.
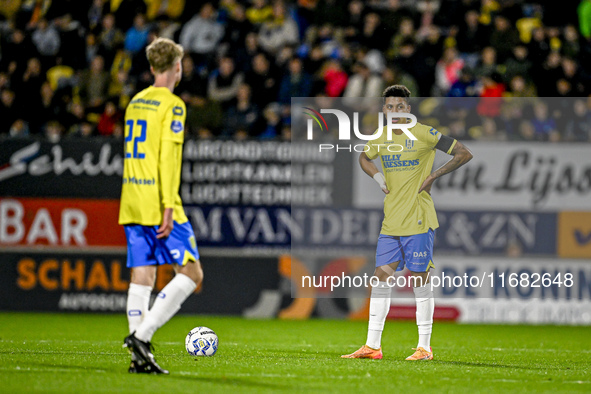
(156, 227)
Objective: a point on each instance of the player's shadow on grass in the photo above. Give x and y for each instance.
(487, 365)
(239, 382)
(75, 367)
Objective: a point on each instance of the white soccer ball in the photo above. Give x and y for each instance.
(201, 341)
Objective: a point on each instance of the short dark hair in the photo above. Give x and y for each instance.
(396, 91)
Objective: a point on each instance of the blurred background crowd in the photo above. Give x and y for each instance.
(68, 68)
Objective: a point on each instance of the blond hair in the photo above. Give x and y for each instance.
(163, 53)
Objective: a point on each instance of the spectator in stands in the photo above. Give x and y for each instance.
(544, 125)
(244, 54)
(518, 63)
(354, 19)
(405, 31)
(488, 63)
(167, 28)
(224, 82)
(75, 116)
(334, 77)
(73, 42)
(315, 59)
(264, 79)
(203, 116)
(296, 83)
(47, 109)
(29, 85)
(109, 39)
(363, 83)
(46, 39)
(491, 100)
(201, 35)
(392, 75)
(570, 43)
(572, 75)
(465, 86)
(16, 51)
(504, 37)
(237, 28)
(519, 87)
(8, 112)
(109, 118)
(19, 129)
(538, 47)
(94, 84)
(259, 13)
(95, 13)
(136, 37)
(373, 34)
(578, 128)
(53, 131)
(432, 46)
(84, 129)
(414, 63)
(330, 10)
(280, 31)
(546, 75)
(448, 69)
(272, 114)
(244, 115)
(471, 36)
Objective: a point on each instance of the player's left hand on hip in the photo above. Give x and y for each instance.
(426, 186)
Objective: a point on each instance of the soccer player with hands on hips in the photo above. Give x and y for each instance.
(156, 227)
(407, 234)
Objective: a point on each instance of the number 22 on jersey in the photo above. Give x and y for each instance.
(140, 136)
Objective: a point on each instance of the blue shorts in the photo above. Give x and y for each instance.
(143, 248)
(414, 251)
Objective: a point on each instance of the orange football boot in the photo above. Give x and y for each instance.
(366, 352)
(421, 354)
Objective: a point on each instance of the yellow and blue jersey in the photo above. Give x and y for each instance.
(154, 134)
(406, 211)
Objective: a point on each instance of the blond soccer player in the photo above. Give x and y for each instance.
(156, 227)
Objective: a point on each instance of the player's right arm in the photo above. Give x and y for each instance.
(368, 166)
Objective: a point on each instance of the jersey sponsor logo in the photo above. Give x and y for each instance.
(177, 110)
(155, 103)
(176, 126)
(390, 161)
(419, 254)
(433, 131)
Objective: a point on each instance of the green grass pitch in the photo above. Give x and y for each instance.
(81, 353)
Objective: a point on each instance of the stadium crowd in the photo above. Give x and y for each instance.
(69, 67)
